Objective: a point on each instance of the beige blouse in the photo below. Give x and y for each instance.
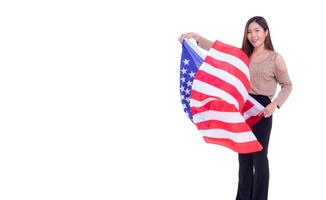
(264, 77)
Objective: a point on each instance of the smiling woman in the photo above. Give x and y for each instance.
(267, 69)
(256, 34)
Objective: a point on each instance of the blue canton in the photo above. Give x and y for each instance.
(190, 62)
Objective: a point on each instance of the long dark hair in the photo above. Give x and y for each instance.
(246, 45)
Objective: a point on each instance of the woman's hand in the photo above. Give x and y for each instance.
(188, 36)
(269, 109)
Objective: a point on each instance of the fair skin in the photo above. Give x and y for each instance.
(256, 36)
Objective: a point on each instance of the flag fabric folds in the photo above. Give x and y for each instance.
(214, 94)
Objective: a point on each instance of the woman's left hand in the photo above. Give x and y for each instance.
(269, 109)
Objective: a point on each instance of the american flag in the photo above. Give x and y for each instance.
(214, 94)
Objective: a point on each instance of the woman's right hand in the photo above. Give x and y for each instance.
(188, 36)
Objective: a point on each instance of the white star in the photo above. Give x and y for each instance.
(182, 97)
(182, 88)
(184, 106)
(192, 74)
(184, 70)
(185, 61)
(188, 99)
(183, 79)
(187, 91)
(189, 83)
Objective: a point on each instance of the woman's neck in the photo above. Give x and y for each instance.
(259, 50)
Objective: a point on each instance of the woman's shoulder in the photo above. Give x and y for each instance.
(274, 55)
(279, 61)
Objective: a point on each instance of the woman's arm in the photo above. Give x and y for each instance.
(282, 77)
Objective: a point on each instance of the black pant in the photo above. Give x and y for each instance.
(253, 167)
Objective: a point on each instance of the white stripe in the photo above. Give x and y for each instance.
(229, 117)
(250, 113)
(195, 48)
(227, 77)
(253, 111)
(210, 90)
(223, 134)
(255, 102)
(233, 60)
(195, 103)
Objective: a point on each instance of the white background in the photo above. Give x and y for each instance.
(90, 106)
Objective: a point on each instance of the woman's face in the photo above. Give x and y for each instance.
(256, 34)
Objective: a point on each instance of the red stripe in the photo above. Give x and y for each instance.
(215, 124)
(246, 147)
(254, 119)
(215, 105)
(225, 66)
(200, 96)
(247, 106)
(219, 83)
(225, 48)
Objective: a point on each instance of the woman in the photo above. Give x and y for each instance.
(267, 69)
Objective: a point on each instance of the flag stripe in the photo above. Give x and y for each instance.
(210, 90)
(215, 124)
(230, 117)
(247, 106)
(195, 104)
(258, 106)
(196, 54)
(236, 52)
(227, 77)
(235, 137)
(215, 105)
(221, 84)
(251, 112)
(227, 67)
(245, 147)
(198, 96)
(254, 119)
(233, 60)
